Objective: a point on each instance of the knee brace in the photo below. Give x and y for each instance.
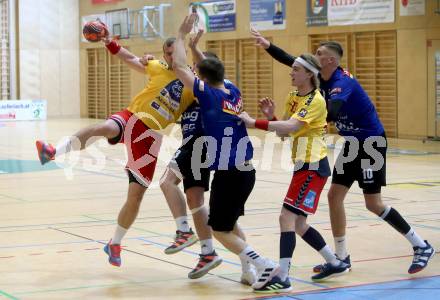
(197, 209)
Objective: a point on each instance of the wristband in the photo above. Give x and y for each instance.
(113, 47)
(262, 124)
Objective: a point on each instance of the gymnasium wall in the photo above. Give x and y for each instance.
(49, 66)
(411, 38)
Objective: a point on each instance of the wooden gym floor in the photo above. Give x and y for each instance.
(54, 221)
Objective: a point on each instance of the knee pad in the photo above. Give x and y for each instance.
(197, 209)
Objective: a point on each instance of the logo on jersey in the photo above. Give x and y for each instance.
(293, 106)
(346, 73)
(190, 116)
(335, 91)
(310, 198)
(160, 110)
(344, 125)
(171, 94)
(231, 108)
(302, 113)
(163, 64)
(191, 119)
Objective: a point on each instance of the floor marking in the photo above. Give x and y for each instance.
(335, 289)
(9, 296)
(141, 254)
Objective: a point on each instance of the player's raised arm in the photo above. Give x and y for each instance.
(123, 54)
(180, 66)
(277, 53)
(197, 54)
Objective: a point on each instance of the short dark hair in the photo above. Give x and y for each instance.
(212, 70)
(210, 54)
(334, 46)
(169, 42)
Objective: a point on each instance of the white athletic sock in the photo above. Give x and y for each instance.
(253, 257)
(182, 223)
(119, 234)
(341, 247)
(245, 264)
(64, 147)
(329, 256)
(415, 239)
(207, 246)
(284, 268)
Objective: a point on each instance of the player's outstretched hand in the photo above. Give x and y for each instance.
(144, 59)
(194, 40)
(267, 107)
(187, 24)
(259, 39)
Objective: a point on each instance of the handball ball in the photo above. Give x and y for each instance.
(94, 31)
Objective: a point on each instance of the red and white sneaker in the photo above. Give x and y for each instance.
(181, 241)
(114, 253)
(46, 152)
(206, 263)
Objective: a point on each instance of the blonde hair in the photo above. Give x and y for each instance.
(315, 63)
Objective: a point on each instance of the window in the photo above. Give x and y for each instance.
(371, 57)
(247, 66)
(5, 51)
(108, 84)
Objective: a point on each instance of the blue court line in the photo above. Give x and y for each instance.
(317, 223)
(111, 222)
(406, 289)
(95, 221)
(184, 250)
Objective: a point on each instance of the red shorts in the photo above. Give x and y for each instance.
(304, 191)
(142, 143)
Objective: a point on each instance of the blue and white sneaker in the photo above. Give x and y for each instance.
(329, 271)
(249, 277)
(266, 273)
(421, 258)
(275, 285)
(318, 268)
